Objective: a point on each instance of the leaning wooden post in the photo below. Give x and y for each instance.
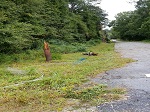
(47, 52)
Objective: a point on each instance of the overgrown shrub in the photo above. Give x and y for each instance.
(29, 55)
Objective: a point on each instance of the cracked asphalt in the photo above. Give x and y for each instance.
(132, 77)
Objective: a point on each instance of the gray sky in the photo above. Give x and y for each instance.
(112, 7)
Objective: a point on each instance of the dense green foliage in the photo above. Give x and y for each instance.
(24, 24)
(133, 25)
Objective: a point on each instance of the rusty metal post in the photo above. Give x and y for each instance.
(47, 52)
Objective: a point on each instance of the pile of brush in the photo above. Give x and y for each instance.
(90, 53)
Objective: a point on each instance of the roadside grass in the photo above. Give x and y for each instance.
(146, 41)
(61, 81)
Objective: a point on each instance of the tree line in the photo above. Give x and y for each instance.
(133, 25)
(25, 23)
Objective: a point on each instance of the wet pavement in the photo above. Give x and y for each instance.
(132, 77)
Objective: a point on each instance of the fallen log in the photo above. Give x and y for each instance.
(90, 53)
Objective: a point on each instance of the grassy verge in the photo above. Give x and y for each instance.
(146, 41)
(58, 81)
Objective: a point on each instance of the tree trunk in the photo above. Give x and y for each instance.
(47, 52)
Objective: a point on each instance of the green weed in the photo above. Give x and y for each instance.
(61, 80)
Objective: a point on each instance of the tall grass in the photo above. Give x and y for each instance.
(57, 47)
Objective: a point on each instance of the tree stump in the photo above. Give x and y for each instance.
(47, 52)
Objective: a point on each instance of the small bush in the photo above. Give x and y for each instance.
(93, 42)
(68, 48)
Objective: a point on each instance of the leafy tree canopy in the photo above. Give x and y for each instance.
(25, 22)
(133, 25)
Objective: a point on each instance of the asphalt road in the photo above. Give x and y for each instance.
(131, 77)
